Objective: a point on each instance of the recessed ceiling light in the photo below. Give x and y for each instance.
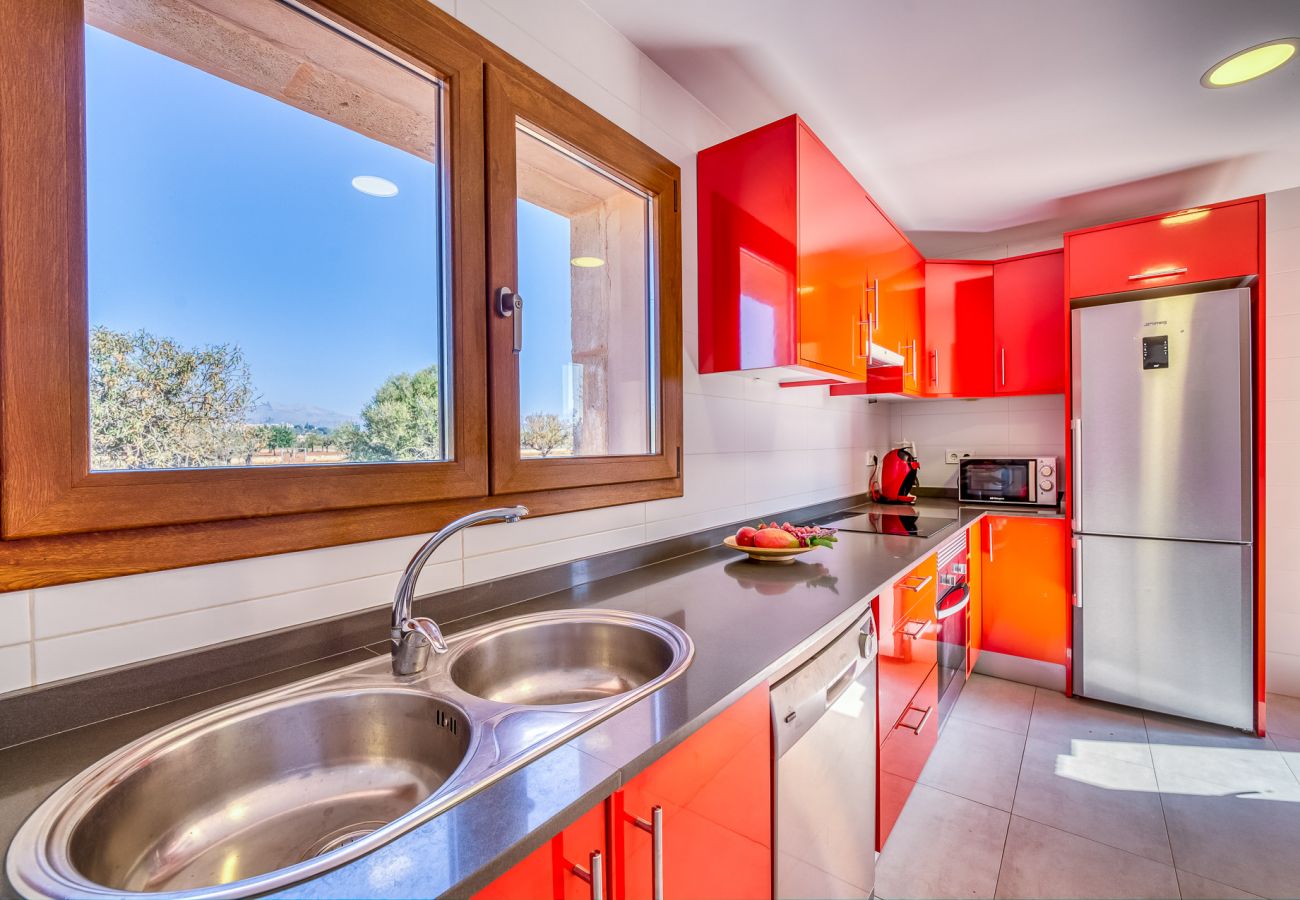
(1250, 63)
(374, 186)
(587, 262)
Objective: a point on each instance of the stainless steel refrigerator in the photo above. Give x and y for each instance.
(1163, 505)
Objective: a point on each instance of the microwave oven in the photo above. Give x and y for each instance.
(1030, 481)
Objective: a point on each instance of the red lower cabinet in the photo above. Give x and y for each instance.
(904, 751)
(1025, 580)
(713, 795)
(706, 806)
(560, 869)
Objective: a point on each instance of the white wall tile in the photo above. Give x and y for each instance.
(15, 618)
(1282, 251)
(499, 536)
(666, 528)
(712, 481)
(536, 556)
(15, 667)
(713, 424)
(1283, 336)
(1282, 672)
(1282, 210)
(1282, 294)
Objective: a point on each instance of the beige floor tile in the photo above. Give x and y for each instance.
(1045, 862)
(1107, 729)
(1283, 715)
(1289, 747)
(1239, 763)
(942, 846)
(1194, 887)
(1250, 844)
(1093, 795)
(977, 762)
(996, 703)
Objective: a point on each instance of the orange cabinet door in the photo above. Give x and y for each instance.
(710, 800)
(1029, 325)
(1025, 608)
(904, 752)
(908, 642)
(958, 329)
(975, 578)
(1180, 248)
(560, 869)
(836, 221)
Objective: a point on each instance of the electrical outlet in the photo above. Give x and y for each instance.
(952, 457)
(873, 457)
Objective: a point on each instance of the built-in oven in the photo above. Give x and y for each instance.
(1031, 481)
(952, 614)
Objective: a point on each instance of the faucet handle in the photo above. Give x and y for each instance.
(428, 629)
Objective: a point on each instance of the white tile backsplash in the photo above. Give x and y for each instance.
(15, 667)
(15, 618)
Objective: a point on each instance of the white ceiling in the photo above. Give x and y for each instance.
(1014, 117)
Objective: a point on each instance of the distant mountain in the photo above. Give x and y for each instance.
(296, 414)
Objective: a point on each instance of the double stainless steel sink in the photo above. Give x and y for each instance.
(279, 787)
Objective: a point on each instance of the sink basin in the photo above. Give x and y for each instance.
(279, 787)
(260, 792)
(551, 662)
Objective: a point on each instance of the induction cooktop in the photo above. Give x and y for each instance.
(908, 524)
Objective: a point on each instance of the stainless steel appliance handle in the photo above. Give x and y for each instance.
(866, 634)
(925, 717)
(1076, 557)
(1076, 468)
(916, 589)
(841, 683)
(942, 612)
(595, 877)
(656, 828)
(510, 305)
(1158, 273)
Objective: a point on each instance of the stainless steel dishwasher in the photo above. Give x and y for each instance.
(824, 727)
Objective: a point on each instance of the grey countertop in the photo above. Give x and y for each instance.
(750, 623)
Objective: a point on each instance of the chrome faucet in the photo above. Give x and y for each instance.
(412, 636)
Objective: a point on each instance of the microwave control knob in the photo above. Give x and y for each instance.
(1046, 470)
(1045, 485)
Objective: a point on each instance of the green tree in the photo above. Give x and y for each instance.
(280, 437)
(545, 433)
(156, 404)
(401, 421)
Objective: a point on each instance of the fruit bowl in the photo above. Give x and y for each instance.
(781, 555)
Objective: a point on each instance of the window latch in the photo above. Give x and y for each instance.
(510, 305)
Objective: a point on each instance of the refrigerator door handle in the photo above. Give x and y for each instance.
(1076, 560)
(1076, 466)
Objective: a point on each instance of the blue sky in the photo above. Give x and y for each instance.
(219, 215)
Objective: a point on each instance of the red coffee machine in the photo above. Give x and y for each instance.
(895, 477)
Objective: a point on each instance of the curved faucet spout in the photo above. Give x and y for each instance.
(411, 637)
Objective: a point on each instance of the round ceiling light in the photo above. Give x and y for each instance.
(1250, 63)
(374, 186)
(587, 262)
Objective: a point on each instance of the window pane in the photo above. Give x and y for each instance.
(588, 369)
(265, 215)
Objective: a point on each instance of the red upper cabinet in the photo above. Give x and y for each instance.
(958, 329)
(1028, 321)
(797, 266)
(1202, 244)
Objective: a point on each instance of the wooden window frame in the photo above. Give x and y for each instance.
(61, 523)
(509, 100)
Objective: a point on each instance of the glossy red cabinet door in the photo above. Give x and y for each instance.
(958, 329)
(908, 642)
(1205, 244)
(1025, 581)
(561, 868)
(836, 225)
(1029, 309)
(714, 793)
(904, 752)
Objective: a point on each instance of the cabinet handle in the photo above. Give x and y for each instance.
(1004, 366)
(934, 369)
(916, 588)
(990, 540)
(656, 828)
(917, 622)
(595, 877)
(875, 293)
(1158, 273)
(510, 305)
(925, 717)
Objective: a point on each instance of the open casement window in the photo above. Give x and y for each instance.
(584, 268)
